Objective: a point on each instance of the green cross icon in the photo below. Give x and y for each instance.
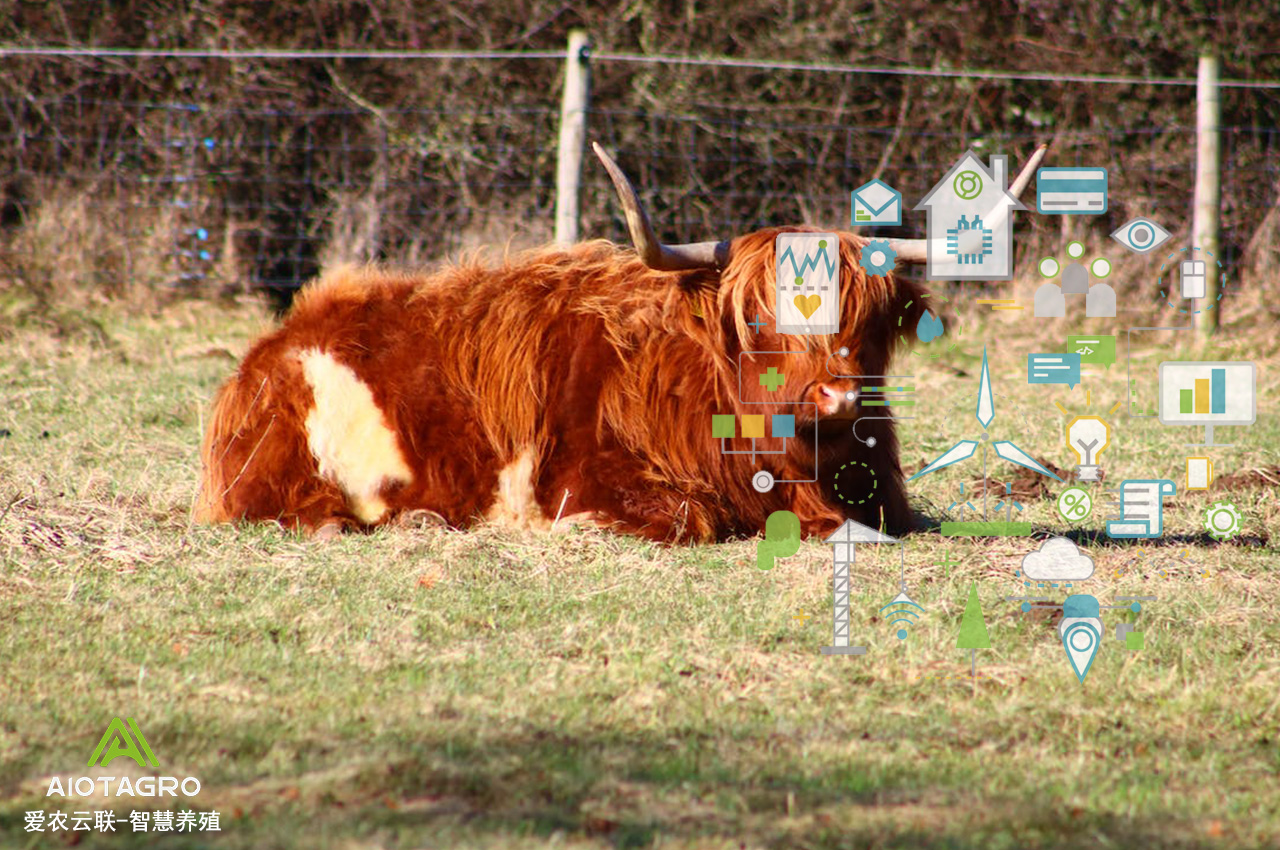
(772, 380)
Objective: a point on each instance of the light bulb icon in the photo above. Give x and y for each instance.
(1087, 436)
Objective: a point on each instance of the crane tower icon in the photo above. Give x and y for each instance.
(843, 555)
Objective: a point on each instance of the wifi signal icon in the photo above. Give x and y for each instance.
(899, 611)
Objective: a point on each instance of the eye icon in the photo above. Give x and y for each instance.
(1141, 235)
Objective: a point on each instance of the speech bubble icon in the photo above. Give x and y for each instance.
(1055, 368)
(1099, 350)
(781, 538)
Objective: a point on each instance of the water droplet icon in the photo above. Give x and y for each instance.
(929, 328)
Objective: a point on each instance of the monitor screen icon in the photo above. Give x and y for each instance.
(1208, 393)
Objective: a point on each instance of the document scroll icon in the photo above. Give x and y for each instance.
(1141, 508)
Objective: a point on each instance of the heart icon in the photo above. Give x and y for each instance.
(808, 305)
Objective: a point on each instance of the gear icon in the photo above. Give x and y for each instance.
(1222, 520)
(877, 257)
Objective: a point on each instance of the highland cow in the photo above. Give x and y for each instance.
(565, 383)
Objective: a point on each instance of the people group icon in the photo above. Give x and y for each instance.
(1051, 297)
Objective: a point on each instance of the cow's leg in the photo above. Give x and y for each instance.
(616, 491)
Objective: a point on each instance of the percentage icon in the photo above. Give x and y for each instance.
(1074, 504)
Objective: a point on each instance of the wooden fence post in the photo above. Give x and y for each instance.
(1208, 199)
(573, 136)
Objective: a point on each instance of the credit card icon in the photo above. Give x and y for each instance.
(1071, 191)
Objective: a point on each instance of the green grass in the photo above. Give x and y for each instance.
(495, 689)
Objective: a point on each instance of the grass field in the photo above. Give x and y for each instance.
(494, 689)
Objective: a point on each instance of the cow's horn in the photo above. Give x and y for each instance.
(670, 258)
(917, 250)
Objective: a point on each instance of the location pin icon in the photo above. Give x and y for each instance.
(1081, 632)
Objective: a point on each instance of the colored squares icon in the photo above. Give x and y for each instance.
(722, 425)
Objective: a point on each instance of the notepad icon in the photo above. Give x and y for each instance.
(1199, 473)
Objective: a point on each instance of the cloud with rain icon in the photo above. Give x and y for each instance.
(1057, 559)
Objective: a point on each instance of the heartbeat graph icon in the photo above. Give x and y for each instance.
(809, 263)
(808, 283)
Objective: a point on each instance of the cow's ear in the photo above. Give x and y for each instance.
(700, 291)
(702, 304)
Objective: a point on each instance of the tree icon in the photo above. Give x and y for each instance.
(973, 629)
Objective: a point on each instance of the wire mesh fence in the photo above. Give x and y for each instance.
(206, 192)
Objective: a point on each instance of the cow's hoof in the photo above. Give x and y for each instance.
(327, 531)
(419, 518)
(584, 519)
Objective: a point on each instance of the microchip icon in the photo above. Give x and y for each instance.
(969, 241)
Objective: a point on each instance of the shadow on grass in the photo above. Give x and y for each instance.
(538, 784)
(1094, 537)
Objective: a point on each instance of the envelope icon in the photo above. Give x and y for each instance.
(876, 203)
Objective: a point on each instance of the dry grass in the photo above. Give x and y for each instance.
(72, 250)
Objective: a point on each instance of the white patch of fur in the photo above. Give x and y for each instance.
(349, 435)
(514, 502)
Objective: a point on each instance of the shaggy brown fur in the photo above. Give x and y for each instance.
(604, 372)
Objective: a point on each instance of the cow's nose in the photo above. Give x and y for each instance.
(835, 401)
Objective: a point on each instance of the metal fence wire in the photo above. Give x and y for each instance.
(264, 197)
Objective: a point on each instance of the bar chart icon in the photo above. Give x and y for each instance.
(1208, 396)
(1208, 393)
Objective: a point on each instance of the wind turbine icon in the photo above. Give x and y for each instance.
(964, 449)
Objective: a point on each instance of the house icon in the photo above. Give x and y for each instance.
(970, 226)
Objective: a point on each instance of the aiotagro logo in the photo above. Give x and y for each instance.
(123, 744)
(123, 738)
